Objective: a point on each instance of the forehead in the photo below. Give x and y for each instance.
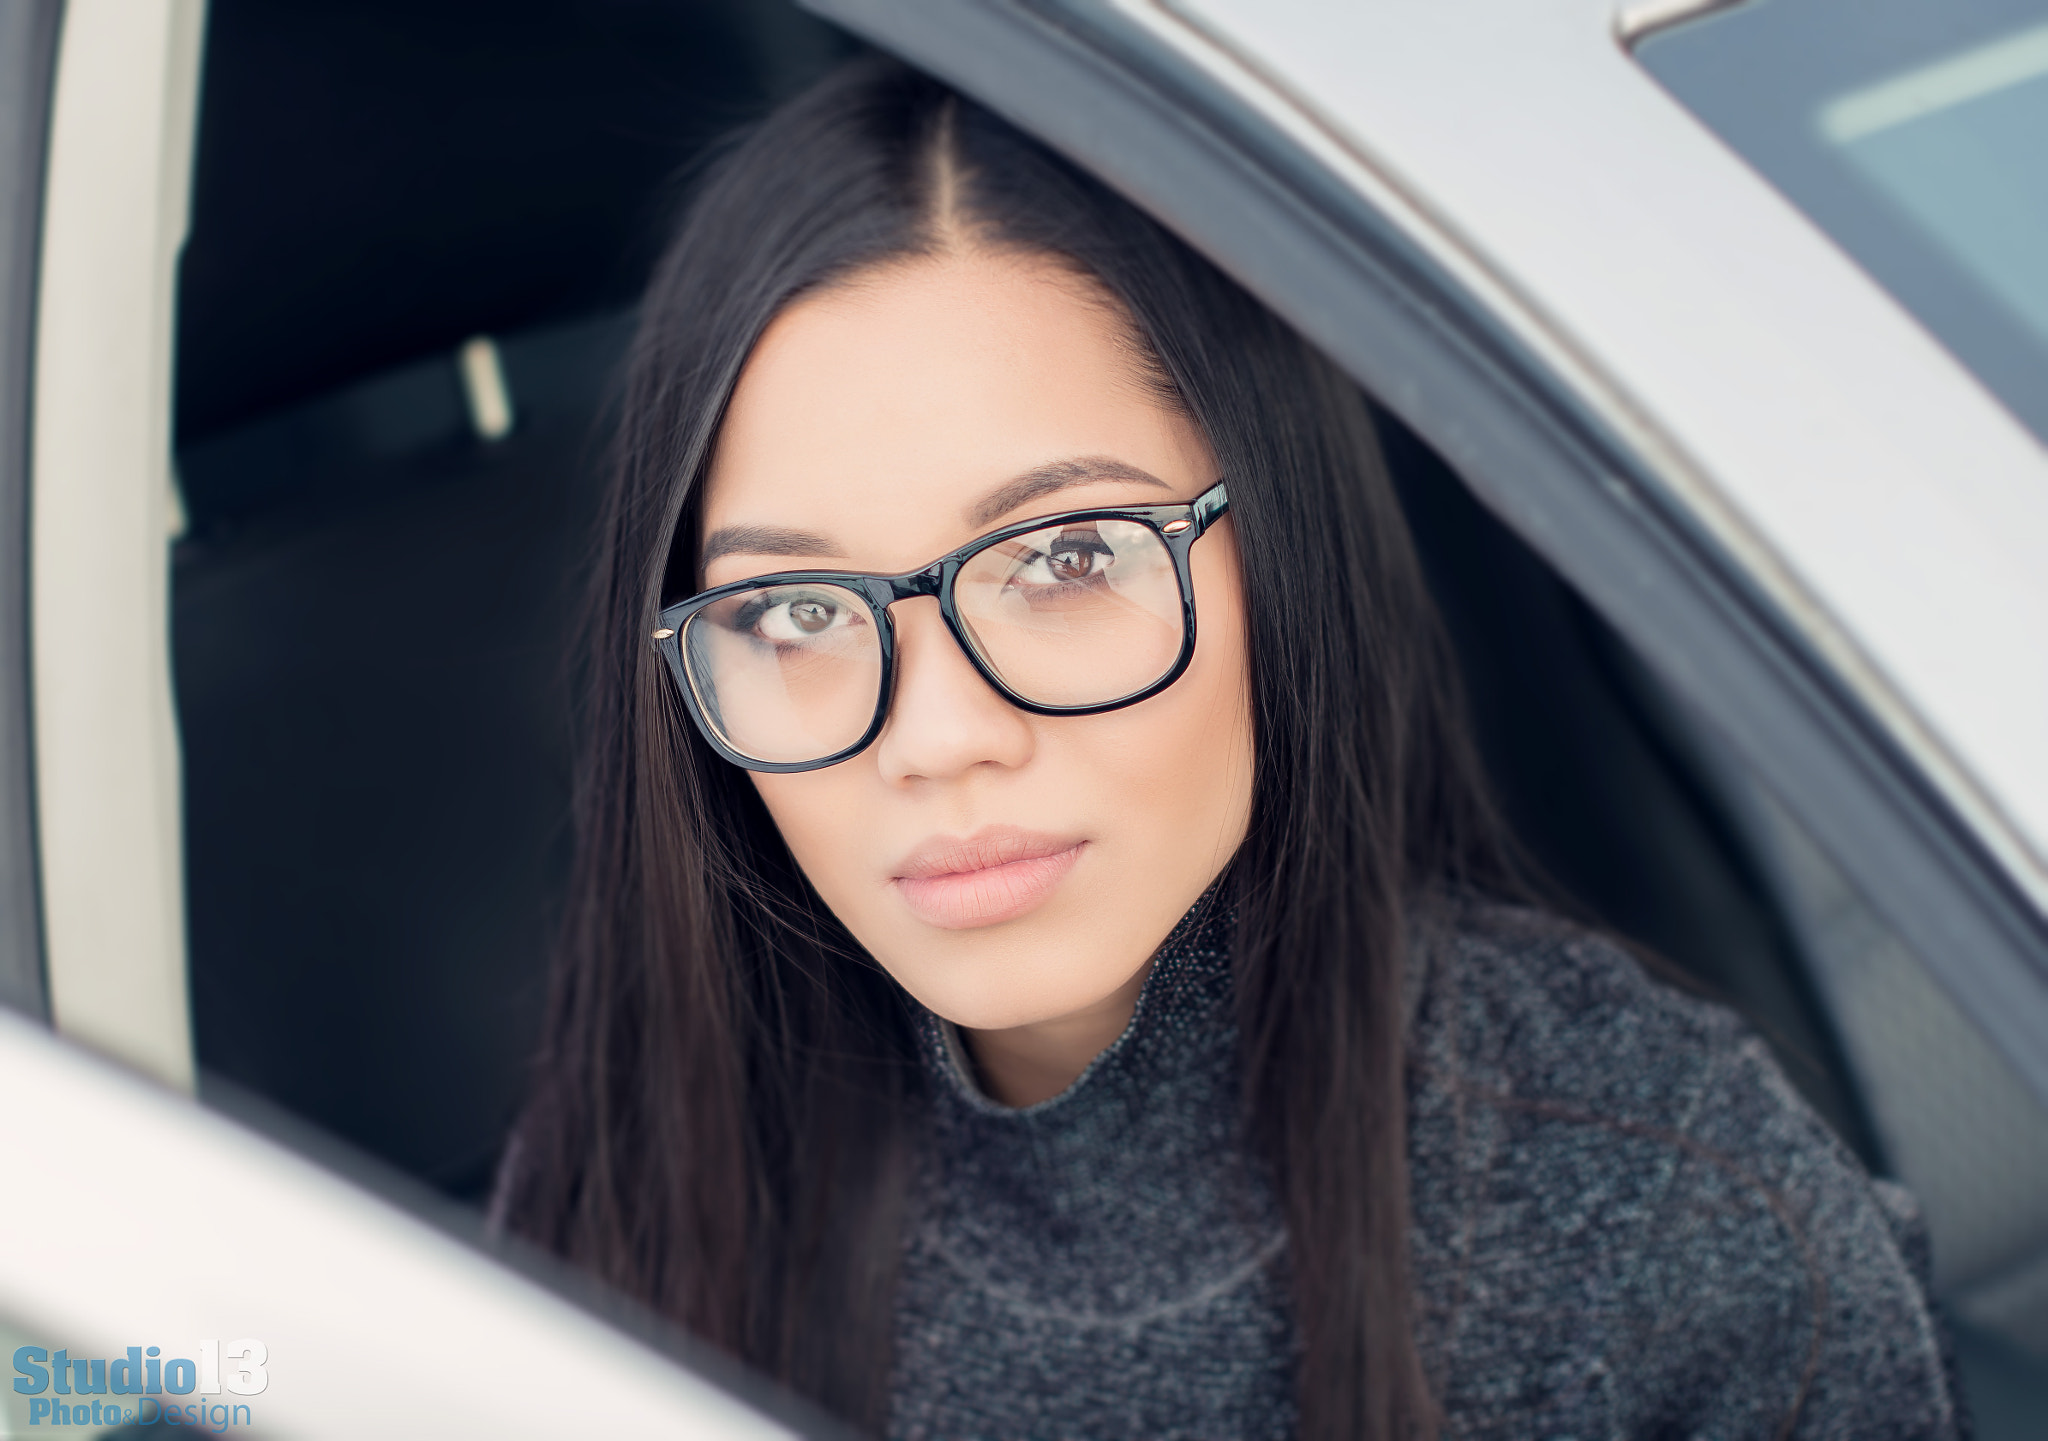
(879, 412)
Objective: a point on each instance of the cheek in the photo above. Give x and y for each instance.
(1220, 689)
(1180, 764)
(822, 816)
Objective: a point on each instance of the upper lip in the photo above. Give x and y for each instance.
(988, 847)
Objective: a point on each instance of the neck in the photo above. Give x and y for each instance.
(1023, 1065)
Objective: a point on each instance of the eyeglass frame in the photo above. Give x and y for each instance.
(1178, 527)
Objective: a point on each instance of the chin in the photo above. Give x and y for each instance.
(996, 1005)
(979, 993)
(990, 993)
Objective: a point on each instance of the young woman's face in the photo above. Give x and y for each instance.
(1008, 869)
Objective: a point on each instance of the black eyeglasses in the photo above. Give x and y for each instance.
(1064, 615)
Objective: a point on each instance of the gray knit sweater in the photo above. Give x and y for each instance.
(1627, 1225)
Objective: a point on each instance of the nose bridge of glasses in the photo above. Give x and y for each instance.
(886, 590)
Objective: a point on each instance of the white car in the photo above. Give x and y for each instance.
(1710, 342)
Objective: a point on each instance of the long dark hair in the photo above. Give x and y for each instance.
(727, 1095)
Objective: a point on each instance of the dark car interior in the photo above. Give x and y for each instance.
(375, 592)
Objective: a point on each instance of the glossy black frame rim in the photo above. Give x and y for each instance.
(936, 580)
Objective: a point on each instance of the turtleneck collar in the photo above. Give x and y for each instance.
(1058, 1254)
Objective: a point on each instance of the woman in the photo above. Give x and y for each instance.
(1030, 971)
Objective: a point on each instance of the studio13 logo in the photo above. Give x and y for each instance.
(66, 1389)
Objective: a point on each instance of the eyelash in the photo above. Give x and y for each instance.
(1091, 545)
(748, 617)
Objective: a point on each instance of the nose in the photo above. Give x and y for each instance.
(944, 719)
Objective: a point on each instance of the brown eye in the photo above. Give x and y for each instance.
(1080, 554)
(1071, 564)
(793, 619)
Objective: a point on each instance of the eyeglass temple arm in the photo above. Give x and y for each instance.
(1210, 506)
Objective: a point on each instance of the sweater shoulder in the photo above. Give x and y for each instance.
(1621, 1202)
(1531, 1004)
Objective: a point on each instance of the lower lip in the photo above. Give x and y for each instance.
(966, 899)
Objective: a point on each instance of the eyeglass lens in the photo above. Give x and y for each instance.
(786, 673)
(1076, 614)
(1081, 613)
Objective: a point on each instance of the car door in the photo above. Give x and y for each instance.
(298, 1305)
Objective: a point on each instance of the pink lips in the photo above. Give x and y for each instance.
(997, 874)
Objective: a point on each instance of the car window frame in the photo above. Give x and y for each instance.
(103, 513)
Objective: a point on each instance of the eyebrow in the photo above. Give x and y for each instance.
(765, 540)
(1058, 475)
(1020, 490)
